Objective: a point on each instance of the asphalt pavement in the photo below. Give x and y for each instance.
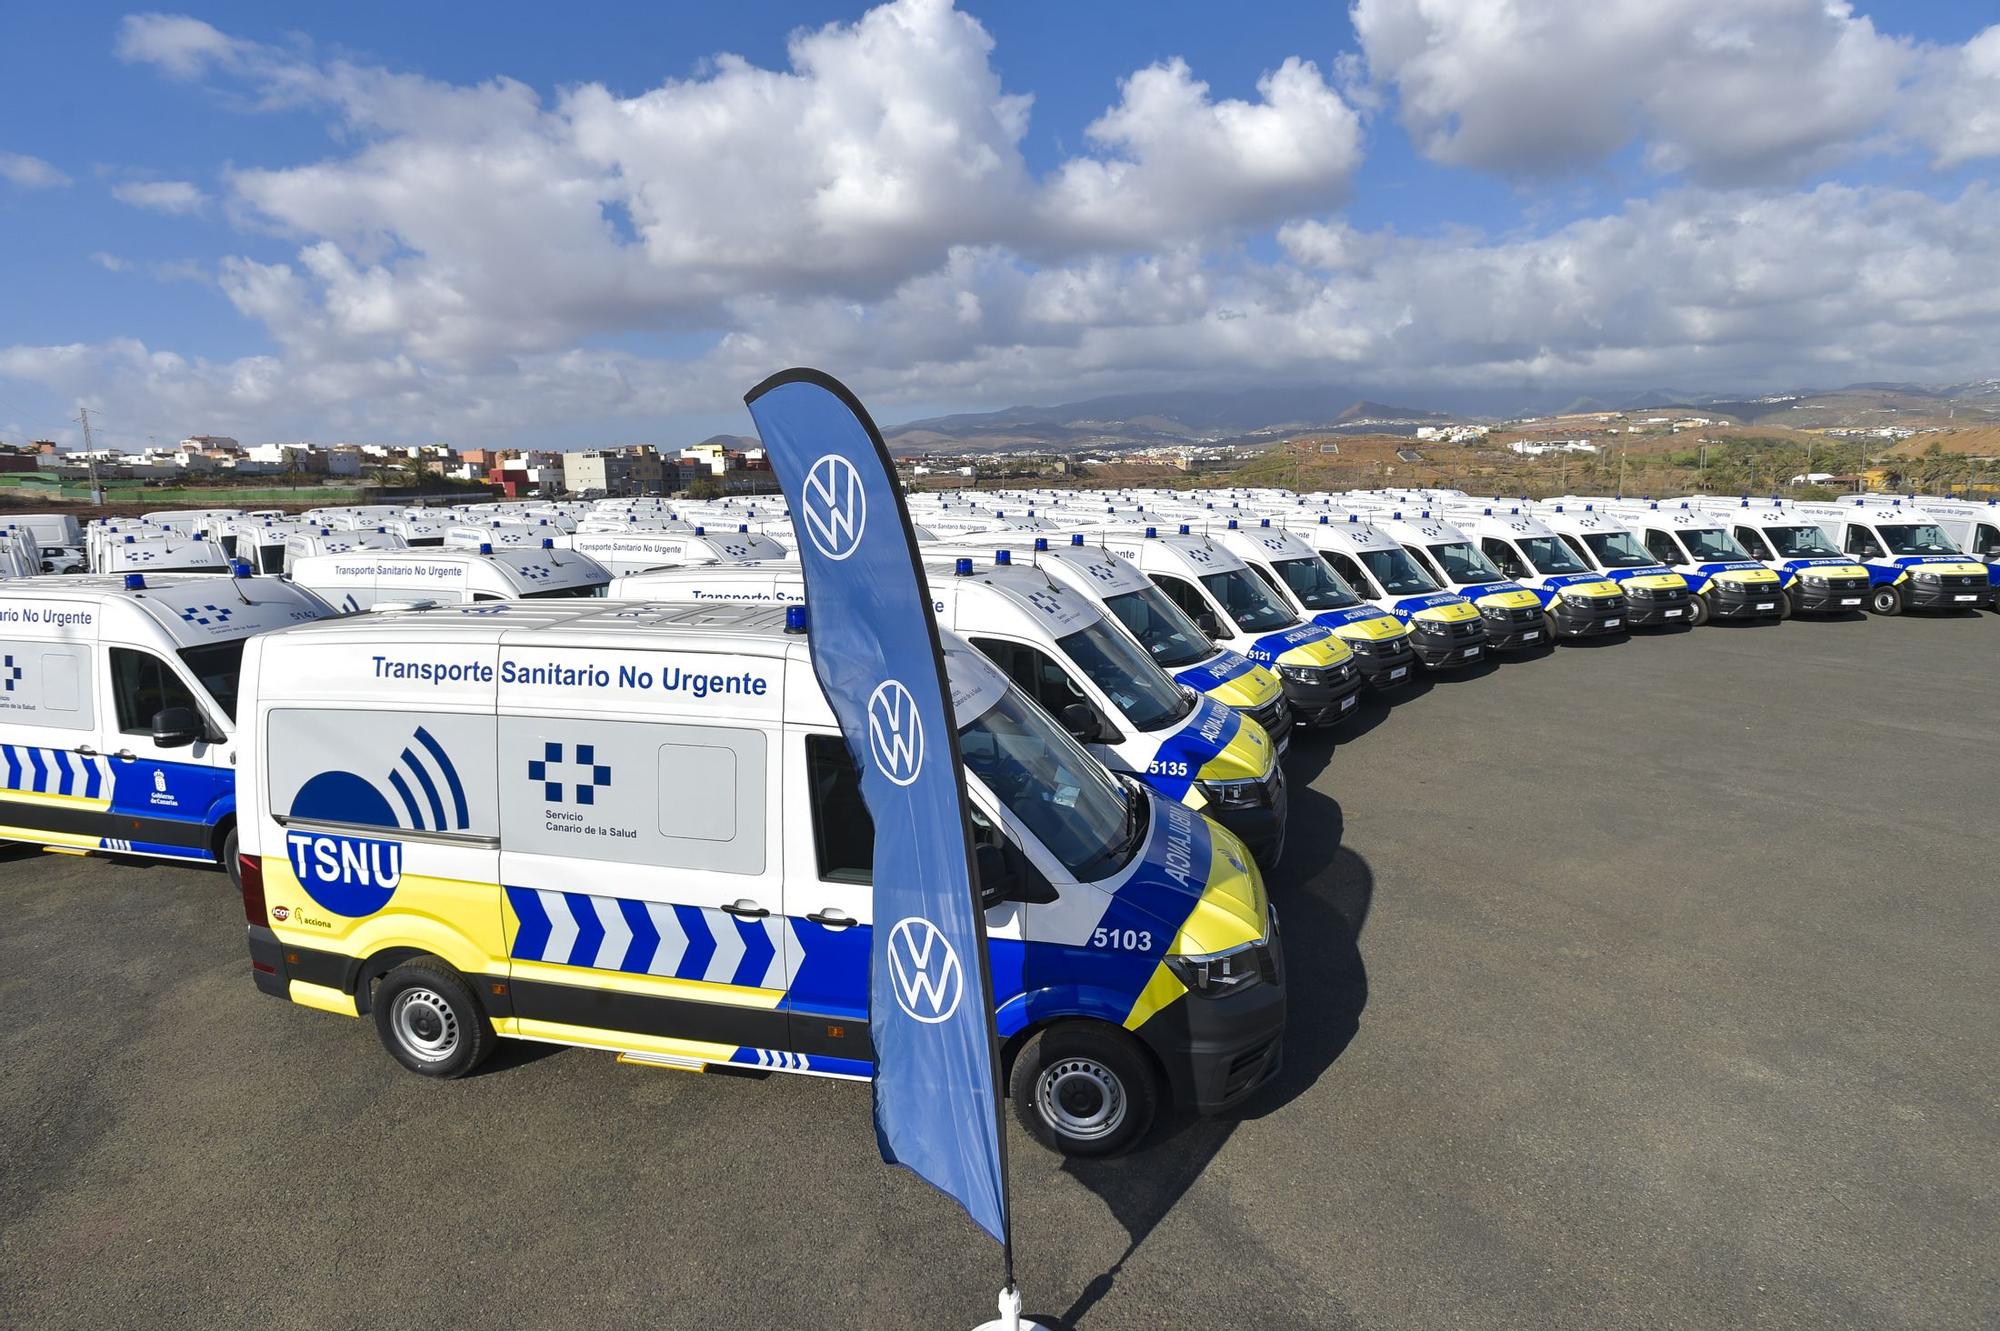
(1643, 985)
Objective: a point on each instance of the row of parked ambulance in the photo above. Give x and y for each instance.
(464, 803)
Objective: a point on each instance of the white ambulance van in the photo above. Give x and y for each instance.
(1815, 578)
(259, 541)
(59, 538)
(637, 551)
(1446, 630)
(1655, 595)
(1727, 583)
(1233, 606)
(1912, 562)
(1577, 600)
(1512, 614)
(118, 705)
(638, 828)
(1077, 663)
(365, 578)
(1305, 582)
(1120, 590)
(161, 551)
(315, 541)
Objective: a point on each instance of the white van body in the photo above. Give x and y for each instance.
(1814, 576)
(260, 542)
(1447, 631)
(1077, 663)
(1316, 669)
(1173, 641)
(1973, 526)
(1307, 584)
(636, 552)
(314, 542)
(1911, 559)
(1727, 583)
(192, 521)
(20, 556)
(58, 538)
(164, 552)
(1513, 614)
(1577, 600)
(87, 664)
(365, 578)
(1655, 594)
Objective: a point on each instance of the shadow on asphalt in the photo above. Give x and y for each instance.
(1323, 891)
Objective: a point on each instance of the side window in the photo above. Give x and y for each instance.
(1753, 540)
(1040, 676)
(142, 685)
(1663, 547)
(665, 795)
(1504, 556)
(1861, 542)
(414, 771)
(487, 596)
(46, 684)
(843, 833)
(1986, 541)
(1184, 594)
(1351, 571)
(1581, 553)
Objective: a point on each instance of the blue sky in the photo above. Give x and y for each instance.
(208, 223)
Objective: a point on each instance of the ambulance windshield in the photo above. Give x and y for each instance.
(1315, 584)
(1059, 792)
(1160, 627)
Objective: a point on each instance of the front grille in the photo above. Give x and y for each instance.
(1247, 1067)
(1470, 628)
(1275, 717)
(1525, 615)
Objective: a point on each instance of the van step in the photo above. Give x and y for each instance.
(664, 1061)
(65, 850)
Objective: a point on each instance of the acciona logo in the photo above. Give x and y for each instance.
(836, 506)
(895, 732)
(924, 971)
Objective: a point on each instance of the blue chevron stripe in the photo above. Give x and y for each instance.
(757, 952)
(589, 929)
(701, 943)
(66, 777)
(41, 785)
(645, 938)
(533, 936)
(13, 767)
(93, 779)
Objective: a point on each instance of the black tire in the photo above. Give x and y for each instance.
(1084, 1089)
(1698, 611)
(1549, 627)
(429, 1020)
(1785, 605)
(1886, 601)
(230, 863)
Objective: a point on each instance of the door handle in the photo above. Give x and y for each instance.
(833, 918)
(126, 755)
(85, 750)
(746, 909)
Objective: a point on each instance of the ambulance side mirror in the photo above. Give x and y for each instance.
(1081, 722)
(176, 728)
(1006, 875)
(1206, 621)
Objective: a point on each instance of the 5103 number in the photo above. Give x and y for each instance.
(1123, 940)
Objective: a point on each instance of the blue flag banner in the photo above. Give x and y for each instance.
(875, 651)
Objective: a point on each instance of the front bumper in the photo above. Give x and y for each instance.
(1262, 826)
(1387, 663)
(1321, 704)
(1513, 629)
(1829, 597)
(1218, 1051)
(1658, 608)
(1603, 614)
(1957, 591)
(1464, 645)
(1726, 602)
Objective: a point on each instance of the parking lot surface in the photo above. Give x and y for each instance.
(1644, 985)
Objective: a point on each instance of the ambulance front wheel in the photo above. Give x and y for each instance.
(429, 1020)
(1886, 601)
(1784, 605)
(1698, 610)
(1084, 1089)
(231, 864)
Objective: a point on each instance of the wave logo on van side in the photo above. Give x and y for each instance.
(356, 875)
(836, 506)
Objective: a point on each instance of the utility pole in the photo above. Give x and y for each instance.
(90, 455)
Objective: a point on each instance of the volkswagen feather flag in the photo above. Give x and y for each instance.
(875, 650)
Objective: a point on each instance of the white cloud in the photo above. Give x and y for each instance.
(181, 46)
(1958, 103)
(177, 197)
(30, 172)
(1744, 92)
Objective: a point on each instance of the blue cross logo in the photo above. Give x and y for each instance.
(592, 775)
(207, 614)
(539, 572)
(10, 674)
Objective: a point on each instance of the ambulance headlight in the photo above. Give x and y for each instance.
(1928, 579)
(1814, 580)
(1233, 794)
(1218, 973)
(1576, 599)
(1437, 626)
(1306, 674)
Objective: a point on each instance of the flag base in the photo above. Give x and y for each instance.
(1010, 1318)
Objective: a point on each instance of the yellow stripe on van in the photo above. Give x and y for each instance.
(451, 918)
(1455, 612)
(1598, 590)
(1254, 688)
(591, 1037)
(55, 801)
(1659, 582)
(47, 838)
(1379, 629)
(1512, 600)
(651, 986)
(1232, 911)
(1328, 651)
(323, 997)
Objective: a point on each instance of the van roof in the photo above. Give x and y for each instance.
(190, 608)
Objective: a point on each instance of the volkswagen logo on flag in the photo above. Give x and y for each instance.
(928, 979)
(836, 506)
(895, 732)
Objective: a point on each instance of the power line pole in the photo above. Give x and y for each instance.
(90, 455)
